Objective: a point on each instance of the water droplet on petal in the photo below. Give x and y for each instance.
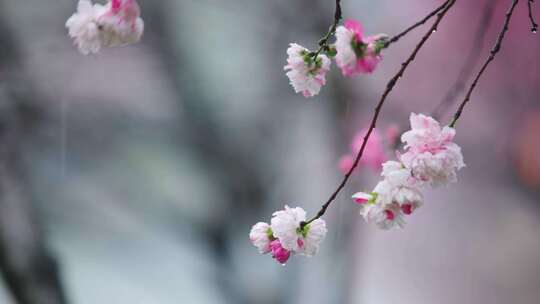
(534, 29)
(434, 31)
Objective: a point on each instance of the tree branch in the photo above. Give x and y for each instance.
(496, 48)
(417, 24)
(389, 87)
(534, 26)
(471, 61)
(323, 43)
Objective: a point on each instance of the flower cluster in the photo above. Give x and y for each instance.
(353, 52)
(431, 158)
(288, 234)
(94, 26)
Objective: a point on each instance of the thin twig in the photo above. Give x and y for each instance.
(496, 48)
(534, 26)
(389, 87)
(323, 43)
(472, 60)
(417, 24)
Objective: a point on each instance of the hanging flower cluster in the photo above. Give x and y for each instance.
(354, 54)
(430, 159)
(288, 234)
(94, 26)
(306, 73)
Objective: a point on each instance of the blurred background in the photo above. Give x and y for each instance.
(135, 175)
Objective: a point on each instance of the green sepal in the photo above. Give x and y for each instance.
(380, 44)
(303, 230)
(373, 199)
(359, 48)
(270, 234)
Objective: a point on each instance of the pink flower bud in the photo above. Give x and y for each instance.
(279, 253)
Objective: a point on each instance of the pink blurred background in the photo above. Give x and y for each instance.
(144, 167)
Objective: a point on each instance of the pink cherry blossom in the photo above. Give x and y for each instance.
(426, 134)
(392, 198)
(288, 234)
(306, 74)
(431, 155)
(94, 26)
(430, 158)
(356, 53)
(384, 216)
(122, 23)
(259, 237)
(279, 253)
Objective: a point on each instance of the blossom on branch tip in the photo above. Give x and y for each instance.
(430, 158)
(94, 26)
(306, 74)
(285, 224)
(355, 53)
(431, 155)
(288, 234)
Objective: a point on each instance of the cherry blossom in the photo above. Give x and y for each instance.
(431, 155)
(122, 24)
(306, 74)
(355, 53)
(285, 224)
(430, 158)
(384, 216)
(260, 236)
(94, 26)
(395, 195)
(288, 234)
(83, 26)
